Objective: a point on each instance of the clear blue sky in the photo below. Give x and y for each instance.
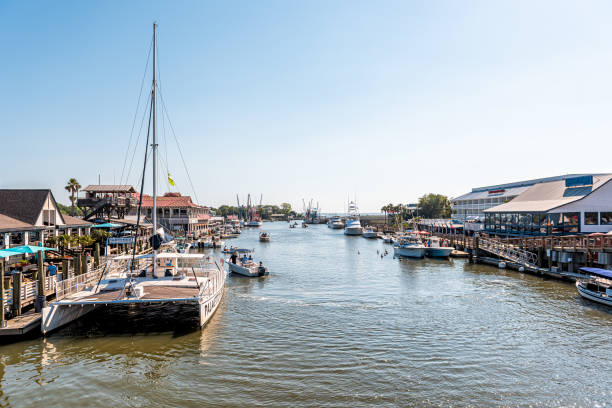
(310, 99)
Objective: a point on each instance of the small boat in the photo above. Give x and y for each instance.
(598, 287)
(217, 243)
(409, 246)
(232, 249)
(254, 223)
(292, 225)
(435, 250)
(248, 267)
(387, 239)
(304, 225)
(369, 233)
(264, 237)
(183, 247)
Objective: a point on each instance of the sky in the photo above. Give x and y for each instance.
(382, 101)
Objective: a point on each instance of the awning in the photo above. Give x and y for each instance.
(597, 271)
(107, 225)
(5, 254)
(29, 249)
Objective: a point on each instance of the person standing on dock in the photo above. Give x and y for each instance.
(52, 269)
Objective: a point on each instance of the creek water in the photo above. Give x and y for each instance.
(334, 324)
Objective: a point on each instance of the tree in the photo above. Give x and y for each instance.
(285, 208)
(73, 187)
(434, 206)
(66, 209)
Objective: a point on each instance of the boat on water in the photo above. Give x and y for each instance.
(304, 225)
(409, 246)
(436, 250)
(237, 250)
(264, 237)
(139, 280)
(368, 232)
(352, 225)
(254, 223)
(335, 223)
(183, 247)
(598, 287)
(387, 239)
(247, 267)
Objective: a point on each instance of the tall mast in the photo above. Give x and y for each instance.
(154, 146)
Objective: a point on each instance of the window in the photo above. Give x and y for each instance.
(605, 218)
(570, 222)
(591, 218)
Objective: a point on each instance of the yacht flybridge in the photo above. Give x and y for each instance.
(352, 225)
(142, 279)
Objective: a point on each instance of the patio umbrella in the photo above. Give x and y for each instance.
(5, 254)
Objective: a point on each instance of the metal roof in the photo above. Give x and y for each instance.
(109, 188)
(477, 195)
(544, 197)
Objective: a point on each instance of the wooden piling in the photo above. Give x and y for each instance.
(17, 294)
(77, 265)
(40, 274)
(476, 248)
(97, 255)
(65, 266)
(83, 263)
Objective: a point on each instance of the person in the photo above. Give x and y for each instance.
(52, 269)
(234, 257)
(250, 258)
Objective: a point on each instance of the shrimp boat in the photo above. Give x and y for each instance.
(598, 287)
(141, 280)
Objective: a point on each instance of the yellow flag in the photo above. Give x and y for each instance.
(170, 180)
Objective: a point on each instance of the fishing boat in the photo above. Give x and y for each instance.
(141, 280)
(387, 239)
(264, 237)
(598, 287)
(409, 246)
(435, 250)
(248, 267)
(368, 232)
(352, 225)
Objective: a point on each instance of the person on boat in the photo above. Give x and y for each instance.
(250, 258)
(234, 257)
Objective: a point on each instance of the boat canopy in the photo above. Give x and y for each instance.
(107, 225)
(605, 273)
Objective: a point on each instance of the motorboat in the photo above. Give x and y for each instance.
(335, 223)
(183, 247)
(598, 287)
(352, 225)
(292, 225)
(409, 246)
(387, 239)
(304, 225)
(237, 250)
(264, 237)
(368, 232)
(254, 223)
(435, 250)
(248, 267)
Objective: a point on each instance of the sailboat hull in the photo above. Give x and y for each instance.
(58, 315)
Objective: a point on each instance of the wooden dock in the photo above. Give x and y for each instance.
(22, 324)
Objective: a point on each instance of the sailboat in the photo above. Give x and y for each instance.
(159, 277)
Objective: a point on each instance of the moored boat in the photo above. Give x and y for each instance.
(435, 250)
(352, 225)
(598, 287)
(335, 223)
(409, 246)
(368, 232)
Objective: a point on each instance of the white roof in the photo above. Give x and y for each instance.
(160, 255)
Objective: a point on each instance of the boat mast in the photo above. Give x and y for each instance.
(154, 146)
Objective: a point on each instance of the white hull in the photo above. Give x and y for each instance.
(209, 307)
(353, 231)
(369, 234)
(337, 225)
(254, 224)
(56, 316)
(594, 296)
(441, 252)
(252, 272)
(409, 252)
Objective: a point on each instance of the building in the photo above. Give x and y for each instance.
(572, 205)
(178, 213)
(472, 206)
(107, 201)
(29, 217)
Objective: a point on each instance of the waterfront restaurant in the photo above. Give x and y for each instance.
(570, 206)
(472, 205)
(178, 213)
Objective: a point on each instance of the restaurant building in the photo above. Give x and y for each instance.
(568, 206)
(471, 206)
(178, 214)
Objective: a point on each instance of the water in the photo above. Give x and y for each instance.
(333, 325)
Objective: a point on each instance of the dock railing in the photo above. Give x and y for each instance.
(77, 283)
(508, 251)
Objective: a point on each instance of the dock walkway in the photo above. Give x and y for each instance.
(23, 324)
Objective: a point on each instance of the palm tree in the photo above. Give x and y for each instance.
(73, 187)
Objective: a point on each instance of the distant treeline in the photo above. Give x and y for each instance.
(266, 210)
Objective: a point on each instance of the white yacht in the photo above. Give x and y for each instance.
(369, 233)
(409, 246)
(254, 223)
(335, 223)
(141, 280)
(352, 225)
(598, 287)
